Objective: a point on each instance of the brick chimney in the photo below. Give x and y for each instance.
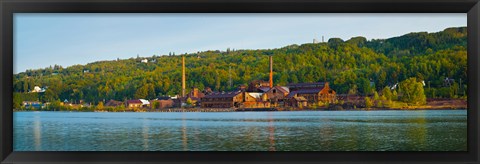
(183, 76)
(271, 72)
(195, 92)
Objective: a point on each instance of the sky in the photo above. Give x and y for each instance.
(45, 39)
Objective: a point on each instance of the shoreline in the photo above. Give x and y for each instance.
(248, 110)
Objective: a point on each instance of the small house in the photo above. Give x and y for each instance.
(134, 103)
(32, 104)
(38, 89)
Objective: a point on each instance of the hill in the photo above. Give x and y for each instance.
(349, 66)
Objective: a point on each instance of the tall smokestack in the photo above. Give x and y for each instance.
(183, 76)
(271, 72)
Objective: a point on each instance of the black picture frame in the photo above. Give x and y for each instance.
(9, 7)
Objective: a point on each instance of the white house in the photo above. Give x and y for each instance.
(145, 102)
(145, 61)
(38, 89)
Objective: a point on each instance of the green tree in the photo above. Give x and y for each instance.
(147, 91)
(17, 101)
(364, 86)
(454, 90)
(141, 93)
(428, 56)
(50, 95)
(387, 93)
(376, 96)
(335, 42)
(368, 102)
(190, 102)
(100, 105)
(25, 86)
(394, 95)
(353, 90)
(412, 91)
(155, 105)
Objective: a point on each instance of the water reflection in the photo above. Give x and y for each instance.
(196, 137)
(184, 133)
(249, 131)
(418, 131)
(271, 130)
(326, 132)
(145, 131)
(37, 132)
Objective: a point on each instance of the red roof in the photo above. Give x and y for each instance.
(134, 102)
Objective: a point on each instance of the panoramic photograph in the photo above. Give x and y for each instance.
(240, 82)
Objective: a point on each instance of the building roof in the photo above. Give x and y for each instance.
(282, 89)
(134, 102)
(31, 102)
(164, 98)
(113, 103)
(255, 94)
(308, 91)
(304, 91)
(145, 102)
(222, 94)
(264, 88)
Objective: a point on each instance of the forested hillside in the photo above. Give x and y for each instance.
(350, 67)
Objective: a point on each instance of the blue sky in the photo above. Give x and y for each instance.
(41, 40)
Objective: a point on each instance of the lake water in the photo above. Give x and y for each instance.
(430, 130)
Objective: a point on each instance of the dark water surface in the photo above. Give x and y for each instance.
(432, 130)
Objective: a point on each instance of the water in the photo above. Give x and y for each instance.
(432, 130)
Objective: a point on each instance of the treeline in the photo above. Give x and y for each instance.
(355, 66)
